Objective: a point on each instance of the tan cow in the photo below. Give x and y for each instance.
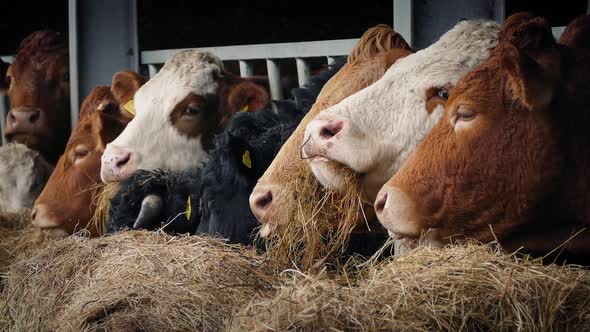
(375, 52)
(510, 157)
(38, 82)
(66, 203)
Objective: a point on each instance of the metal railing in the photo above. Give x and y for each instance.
(272, 53)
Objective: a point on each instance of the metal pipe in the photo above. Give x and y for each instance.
(274, 79)
(303, 71)
(331, 60)
(153, 70)
(246, 68)
(73, 54)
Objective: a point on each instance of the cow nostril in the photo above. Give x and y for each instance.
(264, 201)
(380, 203)
(34, 117)
(331, 129)
(34, 213)
(124, 160)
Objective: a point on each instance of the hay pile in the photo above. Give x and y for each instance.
(469, 287)
(132, 281)
(314, 227)
(101, 200)
(17, 236)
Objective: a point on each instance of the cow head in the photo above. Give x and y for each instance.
(497, 155)
(377, 49)
(374, 131)
(577, 33)
(38, 83)
(23, 173)
(66, 204)
(177, 114)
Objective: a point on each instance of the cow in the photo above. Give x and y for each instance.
(220, 189)
(509, 160)
(373, 131)
(376, 50)
(66, 204)
(177, 114)
(577, 33)
(23, 173)
(38, 86)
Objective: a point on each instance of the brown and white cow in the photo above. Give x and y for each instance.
(66, 204)
(375, 52)
(177, 114)
(510, 157)
(38, 83)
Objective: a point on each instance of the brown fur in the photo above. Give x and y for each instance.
(70, 189)
(210, 114)
(39, 80)
(522, 165)
(371, 57)
(577, 33)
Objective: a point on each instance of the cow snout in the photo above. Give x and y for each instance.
(44, 219)
(261, 204)
(397, 213)
(321, 135)
(117, 163)
(22, 120)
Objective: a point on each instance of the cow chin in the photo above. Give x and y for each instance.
(55, 233)
(326, 172)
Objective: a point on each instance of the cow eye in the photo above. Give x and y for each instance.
(8, 80)
(465, 114)
(443, 93)
(80, 152)
(192, 110)
(66, 77)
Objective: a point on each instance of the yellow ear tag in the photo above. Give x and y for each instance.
(130, 107)
(189, 209)
(246, 159)
(245, 109)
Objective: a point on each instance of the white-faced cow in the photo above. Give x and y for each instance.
(177, 114)
(374, 131)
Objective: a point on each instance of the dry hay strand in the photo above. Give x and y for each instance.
(314, 228)
(17, 237)
(132, 281)
(461, 287)
(101, 199)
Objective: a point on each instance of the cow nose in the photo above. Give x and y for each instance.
(117, 164)
(44, 219)
(320, 135)
(22, 120)
(396, 212)
(261, 201)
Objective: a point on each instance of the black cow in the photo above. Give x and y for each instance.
(218, 191)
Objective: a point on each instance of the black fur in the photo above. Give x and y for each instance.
(219, 190)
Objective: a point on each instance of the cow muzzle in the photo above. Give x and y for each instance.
(44, 219)
(397, 213)
(23, 124)
(262, 203)
(321, 136)
(117, 164)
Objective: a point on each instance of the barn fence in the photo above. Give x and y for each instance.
(302, 52)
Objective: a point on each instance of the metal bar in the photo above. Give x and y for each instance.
(331, 60)
(133, 37)
(500, 11)
(303, 71)
(4, 106)
(403, 14)
(73, 48)
(274, 79)
(263, 51)
(153, 70)
(246, 68)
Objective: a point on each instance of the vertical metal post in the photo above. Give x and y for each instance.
(331, 60)
(303, 71)
(73, 46)
(246, 68)
(4, 106)
(274, 79)
(133, 37)
(500, 11)
(153, 70)
(403, 14)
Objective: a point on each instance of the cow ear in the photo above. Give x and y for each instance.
(380, 38)
(4, 84)
(527, 81)
(246, 95)
(125, 84)
(527, 31)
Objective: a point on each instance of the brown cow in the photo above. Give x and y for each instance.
(577, 33)
(66, 204)
(510, 157)
(39, 89)
(375, 52)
